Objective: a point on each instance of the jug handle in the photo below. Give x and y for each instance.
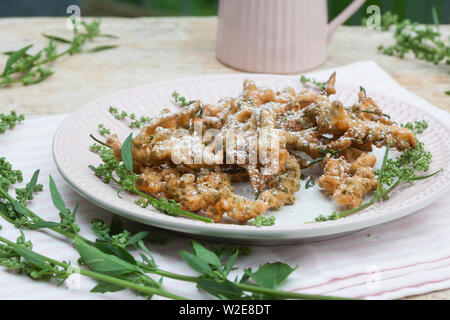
(344, 15)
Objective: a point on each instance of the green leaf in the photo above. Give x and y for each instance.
(230, 263)
(20, 208)
(8, 53)
(149, 258)
(137, 237)
(435, 17)
(104, 287)
(427, 176)
(222, 289)
(4, 210)
(32, 184)
(57, 200)
(271, 275)
(58, 39)
(127, 156)
(116, 225)
(43, 73)
(206, 255)
(107, 35)
(31, 257)
(101, 48)
(195, 263)
(16, 55)
(119, 252)
(101, 262)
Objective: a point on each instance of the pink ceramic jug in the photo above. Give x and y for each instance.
(276, 36)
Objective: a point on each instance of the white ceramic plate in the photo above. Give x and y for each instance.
(72, 157)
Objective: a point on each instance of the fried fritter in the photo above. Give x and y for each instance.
(265, 137)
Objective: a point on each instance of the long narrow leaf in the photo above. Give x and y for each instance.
(16, 55)
(32, 184)
(195, 263)
(101, 262)
(101, 48)
(44, 224)
(435, 17)
(127, 156)
(107, 35)
(30, 256)
(59, 39)
(206, 255)
(56, 197)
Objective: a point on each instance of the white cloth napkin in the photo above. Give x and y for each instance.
(405, 257)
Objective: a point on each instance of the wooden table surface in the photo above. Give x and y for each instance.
(154, 49)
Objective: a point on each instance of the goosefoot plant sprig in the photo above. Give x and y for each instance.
(110, 261)
(424, 42)
(393, 172)
(28, 69)
(134, 121)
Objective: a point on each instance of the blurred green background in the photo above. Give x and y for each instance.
(416, 10)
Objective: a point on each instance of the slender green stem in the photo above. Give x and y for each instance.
(105, 278)
(53, 58)
(176, 210)
(285, 294)
(32, 215)
(99, 141)
(147, 269)
(358, 209)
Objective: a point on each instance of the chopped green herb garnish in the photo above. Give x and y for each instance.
(261, 221)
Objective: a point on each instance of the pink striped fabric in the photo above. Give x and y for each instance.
(404, 257)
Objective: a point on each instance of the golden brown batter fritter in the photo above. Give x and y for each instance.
(305, 125)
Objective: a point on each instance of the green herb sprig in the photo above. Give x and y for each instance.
(180, 100)
(320, 84)
(424, 42)
(28, 69)
(9, 121)
(112, 273)
(135, 122)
